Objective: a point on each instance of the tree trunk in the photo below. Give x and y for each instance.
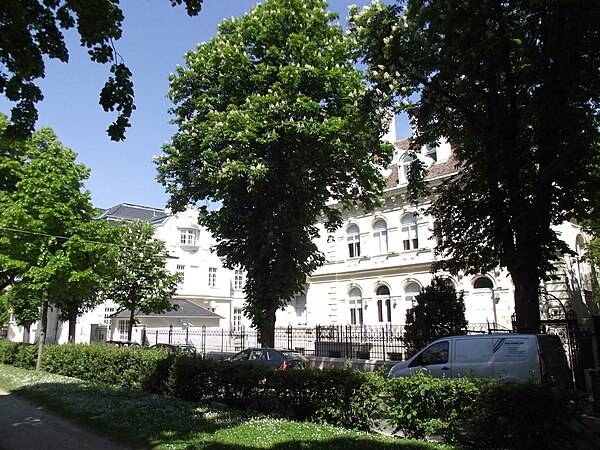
(72, 326)
(130, 326)
(267, 330)
(26, 332)
(42, 338)
(527, 304)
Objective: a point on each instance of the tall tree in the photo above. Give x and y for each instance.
(31, 30)
(141, 282)
(514, 87)
(270, 127)
(42, 220)
(439, 312)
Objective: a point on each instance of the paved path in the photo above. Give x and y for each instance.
(25, 426)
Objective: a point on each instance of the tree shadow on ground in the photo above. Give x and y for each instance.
(145, 421)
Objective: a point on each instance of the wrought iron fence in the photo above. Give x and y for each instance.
(341, 341)
(384, 342)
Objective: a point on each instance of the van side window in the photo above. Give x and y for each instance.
(436, 354)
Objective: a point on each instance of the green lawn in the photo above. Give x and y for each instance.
(150, 421)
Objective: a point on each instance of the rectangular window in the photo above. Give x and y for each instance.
(212, 276)
(237, 318)
(107, 313)
(238, 280)
(123, 329)
(354, 249)
(356, 314)
(411, 239)
(388, 306)
(181, 272)
(188, 236)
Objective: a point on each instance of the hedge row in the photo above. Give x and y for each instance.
(482, 414)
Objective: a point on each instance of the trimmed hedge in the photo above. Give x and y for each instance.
(18, 354)
(342, 397)
(128, 367)
(482, 414)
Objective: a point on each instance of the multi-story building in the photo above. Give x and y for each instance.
(376, 264)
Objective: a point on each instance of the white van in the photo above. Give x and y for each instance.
(507, 357)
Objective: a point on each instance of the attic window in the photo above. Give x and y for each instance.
(188, 237)
(431, 151)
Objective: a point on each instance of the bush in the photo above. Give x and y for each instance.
(18, 354)
(341, 397)
(422, 406)
(520, 416)
(129, 367)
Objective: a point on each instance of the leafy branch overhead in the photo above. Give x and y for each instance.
(33, 30)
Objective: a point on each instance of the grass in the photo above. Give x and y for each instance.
(146, 421)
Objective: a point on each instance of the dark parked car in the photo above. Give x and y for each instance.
(277, 359)
(186, 349)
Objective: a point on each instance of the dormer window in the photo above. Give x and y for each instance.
(405, 164)
(431, 151)
(188, 237)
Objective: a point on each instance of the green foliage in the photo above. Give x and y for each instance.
(340, 397)
(271, 125)
(33, 30)
(480, 414)
(439, 312)
(48, 241)
(513, 87)
(422, 406)
(141, 283)
(4, 311)
(128, 367)
(17, 354)
(521, 416)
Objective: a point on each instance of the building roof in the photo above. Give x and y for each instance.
(438, 169)
(184, 309)
(128, 212)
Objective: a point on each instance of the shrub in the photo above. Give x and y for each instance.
(341, 397)
(18, 354)
(422, 406)
(129, 367)
(520, 416)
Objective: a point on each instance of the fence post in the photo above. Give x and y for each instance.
(187, 334)
(204, 341)
(222, 338)
(383, 340)
(170, 333)
(290, 330)
(243, 336)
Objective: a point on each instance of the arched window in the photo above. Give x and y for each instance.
(410, 238)
(355, 301)
(380, 237)
(411, 290)
(353, 238)
(383, 298)
(449, 282)
(483, 283)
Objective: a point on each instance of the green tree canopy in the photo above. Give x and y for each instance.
(514, 87)
(49, 248)
(270, 126)
(141, 282)
(32, 30)
(439, 312)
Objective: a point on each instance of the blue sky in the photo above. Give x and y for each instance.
(155, 38)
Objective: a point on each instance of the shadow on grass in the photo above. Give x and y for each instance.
(144, 421)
